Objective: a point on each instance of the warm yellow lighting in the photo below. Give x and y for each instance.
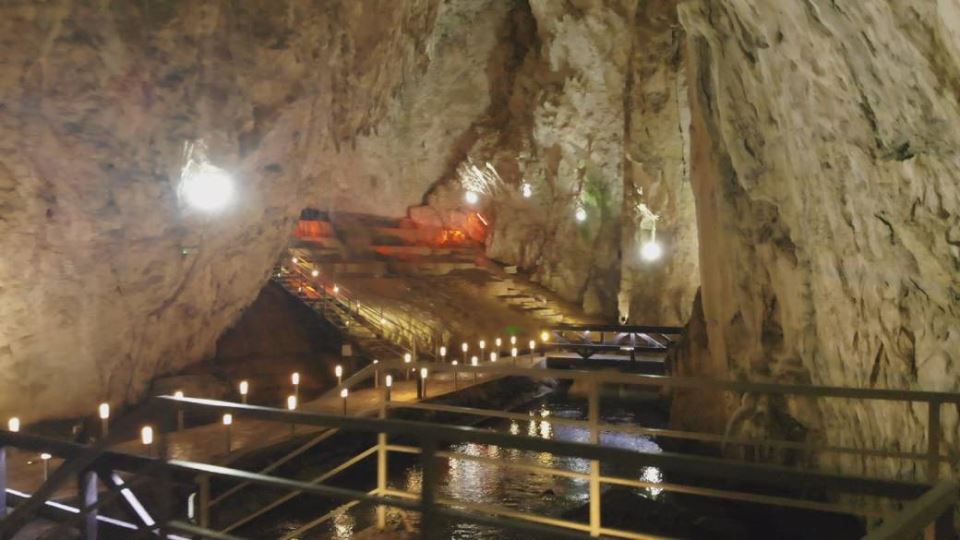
(513, 352)
(45, 456)
(498, 342)
(291, 402)
(464, 347)
(533, 345)
(338, 371)
(295, 378)
(513, 340)
(474, 361)
(483, 344)
(544, 336)
(146, 435)
(336, 289)
(443, 351)
(13, 424)
(407, 358)
(423, 373)
(244, 388)
(493, 357)
(389, 381)
(293, 260)
(315, 273)
(344, 393)
(178, 394)
(227, 419)
(104, 411)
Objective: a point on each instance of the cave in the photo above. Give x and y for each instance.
(711, 246)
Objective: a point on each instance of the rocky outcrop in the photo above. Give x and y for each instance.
(825, 169)
(595, 119)
(108, 278)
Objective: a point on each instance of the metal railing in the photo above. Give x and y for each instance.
(416, 334)
(929, 507)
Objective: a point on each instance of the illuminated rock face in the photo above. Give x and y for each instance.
(107, 279)
(826, 176)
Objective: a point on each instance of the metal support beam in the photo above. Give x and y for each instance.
(87, 490)
(428, 491)
(3, 482)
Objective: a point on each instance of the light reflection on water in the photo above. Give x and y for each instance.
(515, 489)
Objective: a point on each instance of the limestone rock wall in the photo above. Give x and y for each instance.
(107, 278)
(825, 169)
(594, 118)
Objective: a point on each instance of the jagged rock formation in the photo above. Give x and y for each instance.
(108, 278)
(825, 165)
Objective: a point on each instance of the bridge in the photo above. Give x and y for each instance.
(186, 481)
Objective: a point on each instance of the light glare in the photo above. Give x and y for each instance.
(207, 188)
(651, 251)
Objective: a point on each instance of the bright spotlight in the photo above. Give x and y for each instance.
(580, 214)
(206, 187)
(471, 197)
(651, 251)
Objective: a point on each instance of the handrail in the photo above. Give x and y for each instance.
(627, 329)
(936, 505)
(706, 466)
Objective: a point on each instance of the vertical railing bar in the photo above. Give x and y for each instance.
(87, 501)
(3, 482)
(382, 461)
(593, 419)
(933, 441)
(203, 515)
(428, 491)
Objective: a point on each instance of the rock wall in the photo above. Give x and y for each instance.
(594, 118)
(825, 169)
(107, 277)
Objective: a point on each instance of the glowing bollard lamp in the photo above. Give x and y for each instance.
(103, 411)
(227, 422)
(338, 371)
(343, 394)
(244, 390)
(292, 406)
(295, 379)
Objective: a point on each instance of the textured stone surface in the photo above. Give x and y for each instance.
(96, 104)
(825, 167)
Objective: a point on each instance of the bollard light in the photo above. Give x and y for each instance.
(291, 403)
(443, 351)
(544, 336)
(293, 260)
(343, 394)
(474, 361)
(455, 362)
(315, 273)
(389, 381)
(513, 353)
(146, 435)
(244, 390)
(46, 465)
(483, 344)
(498, 342)
(464, 347)
(423, 383)
(13, 424)
(493, 357)
(513, 340)
(338, 371)
(295, 378)
(533, 346)
(423, 373)
(104, 412)
(227, 422)
(407, 358)
(178, 394)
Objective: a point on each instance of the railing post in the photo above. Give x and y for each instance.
(593, 419)
(87, 487)
(382, 462)
(933, 441)
(3, 482)
(203, 500)
(428, 491)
